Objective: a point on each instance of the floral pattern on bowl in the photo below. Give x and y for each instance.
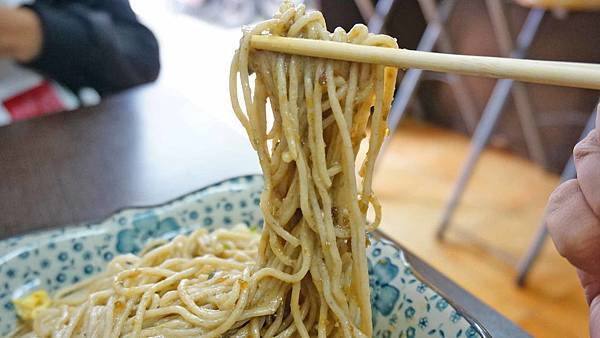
(403, 305)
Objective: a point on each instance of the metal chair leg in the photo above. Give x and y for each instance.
(523, 105)
(366, 9)
(534, 250)
(532, 254)
(465, 102)
(434, 34)
(533, 139)
(409, 83)
(489, 118)
(377, 20)
(480, 139)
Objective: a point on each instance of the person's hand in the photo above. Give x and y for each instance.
(20, 34)
(573, 219)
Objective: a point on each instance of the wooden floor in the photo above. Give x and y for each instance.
(500, 211)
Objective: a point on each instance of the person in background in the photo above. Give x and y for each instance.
(573, 219)
(58, 54)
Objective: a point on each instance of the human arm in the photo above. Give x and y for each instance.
(20, 34)
(98, 44)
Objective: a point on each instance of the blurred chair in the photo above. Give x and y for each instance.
(520, 96)
(435, 34)
(436, 15)
(495, 105)
(562, 4)
(366, 9)
(494, 108)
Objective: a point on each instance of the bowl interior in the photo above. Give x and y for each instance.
(403, 305)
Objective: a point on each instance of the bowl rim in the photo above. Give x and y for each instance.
(476, 324)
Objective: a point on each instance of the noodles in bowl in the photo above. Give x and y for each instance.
(307, 273)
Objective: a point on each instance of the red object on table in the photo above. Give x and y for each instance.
(37, 101)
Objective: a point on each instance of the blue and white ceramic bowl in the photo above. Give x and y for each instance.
(403, 305)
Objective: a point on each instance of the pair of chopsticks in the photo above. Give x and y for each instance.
(567, 74)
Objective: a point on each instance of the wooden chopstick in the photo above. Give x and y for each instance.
(567, 74)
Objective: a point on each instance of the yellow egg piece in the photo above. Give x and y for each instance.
(28, 306)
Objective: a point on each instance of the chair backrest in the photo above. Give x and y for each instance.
(581, 5)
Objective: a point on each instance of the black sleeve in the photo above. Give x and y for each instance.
(98, 44)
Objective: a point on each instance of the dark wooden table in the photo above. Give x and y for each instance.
(141, 147)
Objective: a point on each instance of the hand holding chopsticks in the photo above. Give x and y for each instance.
(568, 74)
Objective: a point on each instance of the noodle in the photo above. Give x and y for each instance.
(306, 275)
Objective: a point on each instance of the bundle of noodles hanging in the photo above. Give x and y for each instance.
(314, 237)
(307, 274)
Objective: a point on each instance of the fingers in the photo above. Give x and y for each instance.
(587, 162)
(574, 227)
(573, 222)
(598, 120)
(595, 318)
(591, 285)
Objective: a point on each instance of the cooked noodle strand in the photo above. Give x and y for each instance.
(307, 274)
